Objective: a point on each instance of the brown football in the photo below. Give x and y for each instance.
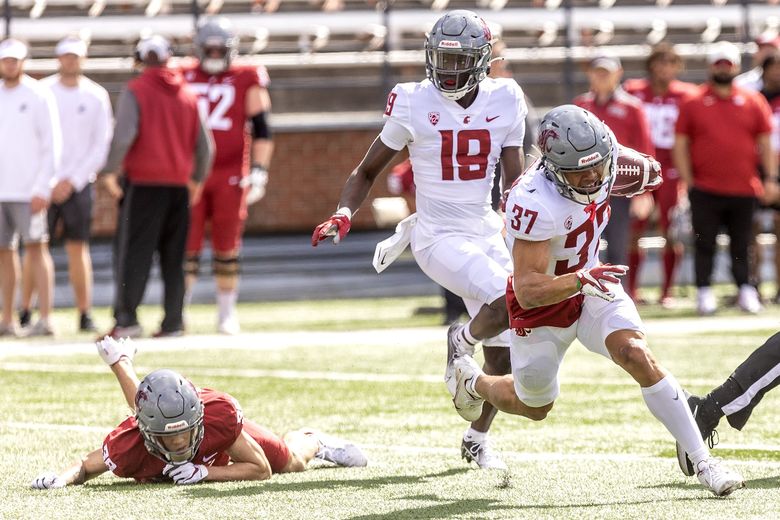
(635, 173)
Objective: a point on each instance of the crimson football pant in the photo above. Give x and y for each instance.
(151, 219)
(745, 388)
(708, 213)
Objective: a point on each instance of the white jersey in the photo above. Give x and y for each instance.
(30, 133)
(87, 127)
(535, 211)
(454, 153)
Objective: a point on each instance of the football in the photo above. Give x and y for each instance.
(635, 173)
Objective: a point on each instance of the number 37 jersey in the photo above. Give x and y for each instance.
(454, 150)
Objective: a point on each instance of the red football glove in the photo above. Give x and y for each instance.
(593, 281)
(337, 226)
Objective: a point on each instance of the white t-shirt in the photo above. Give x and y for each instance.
(454, 152)
(87, 127)
(31, 141)
(535, 211)
(751, 80)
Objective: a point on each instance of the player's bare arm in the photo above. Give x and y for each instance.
(682, 158)
(259, 102)
(533, 287)
(769, 162)
(512, 165)
(118, 355)
(87, 468)
(249, 462)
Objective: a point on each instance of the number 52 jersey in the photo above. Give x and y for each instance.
(454, 152)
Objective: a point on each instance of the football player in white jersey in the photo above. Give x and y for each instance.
(457, 124)
(555, 215)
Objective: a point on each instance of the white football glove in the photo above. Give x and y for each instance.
(256, 181)
(187, 473)
(47, 481)
(111, 350)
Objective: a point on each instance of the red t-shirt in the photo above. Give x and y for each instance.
(222, 98)
(661, 112)
(722, 139)
(623, 113)
(126, 456)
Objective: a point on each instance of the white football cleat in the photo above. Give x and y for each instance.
(718, 478)
(468, 404)
(112, 350)
(229, 325)
(482, 453)
(339, 451)
(459, 346)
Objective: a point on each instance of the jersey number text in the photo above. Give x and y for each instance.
(470, 165)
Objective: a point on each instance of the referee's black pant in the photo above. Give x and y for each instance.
(743, 390)
(708, 213)
(151, 219)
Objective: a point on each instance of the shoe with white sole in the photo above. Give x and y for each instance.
(467, 403)
(339, 451)
(229, 325)
(482, 453)
(718, 478)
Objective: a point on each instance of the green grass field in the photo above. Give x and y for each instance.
(371, 371)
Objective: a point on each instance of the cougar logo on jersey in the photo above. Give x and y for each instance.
(433, 117)
(544, 137)
(466, 120)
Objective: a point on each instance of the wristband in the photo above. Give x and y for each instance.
(344, 211)
(579, 284)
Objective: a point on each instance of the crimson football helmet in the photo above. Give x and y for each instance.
(457, 53)
(571, 139)
(215, 33)
(167, 404)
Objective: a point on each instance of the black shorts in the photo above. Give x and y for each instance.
(75, 214)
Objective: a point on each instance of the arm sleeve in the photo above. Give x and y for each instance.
(100, 140)
(125, 131)
(394, 135)
(204, 151)
(527, 218)
(764, 115)
(50, 139)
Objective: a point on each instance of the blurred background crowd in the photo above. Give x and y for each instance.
(646, 68)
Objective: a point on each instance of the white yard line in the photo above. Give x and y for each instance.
(363, 338)
(518, 456)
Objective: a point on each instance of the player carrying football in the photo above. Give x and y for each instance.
(560, 292)
(457, 125)
(187, 435)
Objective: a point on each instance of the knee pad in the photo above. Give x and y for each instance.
(192, 265)
(537, 385)
(226, 266)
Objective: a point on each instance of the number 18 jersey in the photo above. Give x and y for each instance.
(454, 152)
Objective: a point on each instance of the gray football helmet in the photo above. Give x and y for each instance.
(457, 53)
(571, 139)
(215, 33)
(167, 404)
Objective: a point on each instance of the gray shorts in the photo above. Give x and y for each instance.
(16, 220)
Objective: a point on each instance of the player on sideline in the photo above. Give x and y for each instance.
(457, 124)
(188, 435)
(559, 292)
(231, 98)
(736, 397)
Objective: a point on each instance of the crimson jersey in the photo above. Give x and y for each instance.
(222, 100)
(126, 456)
(662, 112)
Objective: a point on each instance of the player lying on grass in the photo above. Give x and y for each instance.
(187, 435)
(560, 291)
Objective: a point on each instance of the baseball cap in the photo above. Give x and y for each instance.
(610, 63)
(71, 45)
(12, 48)
(156, 44)
(724, 51)
(768, 38)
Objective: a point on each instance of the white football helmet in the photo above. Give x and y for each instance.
(457, 53)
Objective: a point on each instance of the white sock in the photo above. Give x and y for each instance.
(226, 303)
(474, 435)
(464, 337)
(667, 402)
